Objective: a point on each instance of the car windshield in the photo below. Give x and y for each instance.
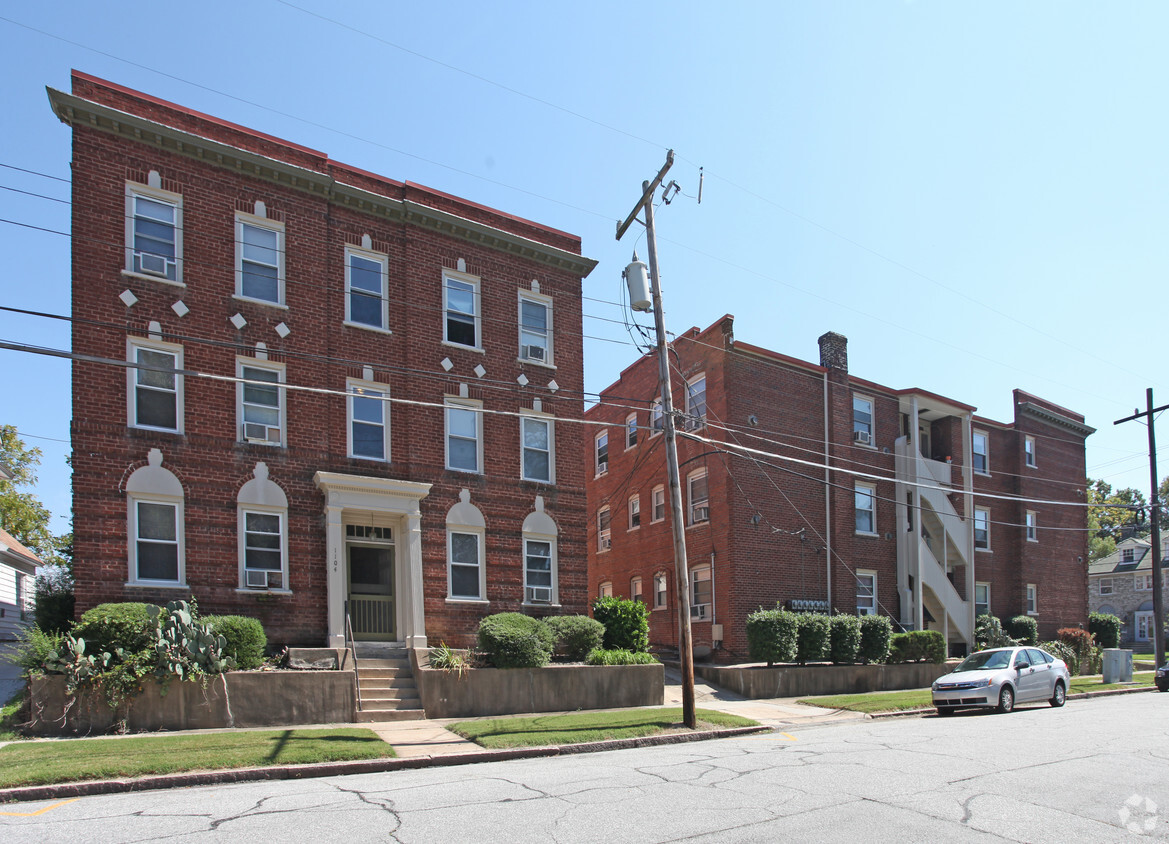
(985, 661)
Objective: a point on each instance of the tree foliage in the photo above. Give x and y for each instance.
(21, 513)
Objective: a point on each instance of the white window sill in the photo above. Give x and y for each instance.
(483, 601)
(463, 471)
(604, 550)
(241, 298)
(632, 529)
(983, 551)
(1030, 465)
(241, 590)
(177, 431)
(658, 609)
(869, 445)
(155, 584)
(1036, 541)
(697, 524)
(548, 606)
(982, 474)
(868, 533)
(657, 521)
(477, 349)
(539, 363)
(265, 443)
(148, 277)
(544, 481)
(370, 459)
(1032, 612)
(374, 328)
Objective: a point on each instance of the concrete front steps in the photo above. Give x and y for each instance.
(388, 690)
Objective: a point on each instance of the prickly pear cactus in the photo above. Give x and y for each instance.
(184, 647)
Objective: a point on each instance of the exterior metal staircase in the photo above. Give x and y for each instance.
(385, 683)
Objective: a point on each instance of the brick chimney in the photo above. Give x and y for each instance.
(834, 351)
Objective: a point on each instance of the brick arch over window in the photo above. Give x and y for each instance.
(541, 580)
(262, 509)
(156, 542)
(466, 532)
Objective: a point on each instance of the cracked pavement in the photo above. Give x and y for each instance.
(1036, 775)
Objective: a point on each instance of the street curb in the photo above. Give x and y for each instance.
(1077, 696)
(364, 766)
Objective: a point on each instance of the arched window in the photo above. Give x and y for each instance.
(262, 508)
(157, 548)
(540, 574)
(466, 568)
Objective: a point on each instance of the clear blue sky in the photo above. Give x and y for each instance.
(976, 194)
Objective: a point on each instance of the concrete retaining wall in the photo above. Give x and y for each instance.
(256, 698)
(803, 681)
(555, 688)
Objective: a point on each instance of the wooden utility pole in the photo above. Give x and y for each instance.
(1155, 521)
(677, 519)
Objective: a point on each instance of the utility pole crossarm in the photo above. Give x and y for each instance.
(647, 194)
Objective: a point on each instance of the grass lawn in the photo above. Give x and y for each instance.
(71, 760)
(8, 718)
(498, 733)
(921, 699)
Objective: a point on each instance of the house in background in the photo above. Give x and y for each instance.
(1121, 584)
(928, 513)
(18, 567)
(311, 393)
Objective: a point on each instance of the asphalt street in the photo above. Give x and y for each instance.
(1094, 771)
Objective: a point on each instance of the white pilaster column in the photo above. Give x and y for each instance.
(335, 576)
(415, 620)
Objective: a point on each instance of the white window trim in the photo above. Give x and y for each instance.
(474, 281)
(631, 418)
(241, 512)
(279, 369)
(1143, 618)
(353, 386)
(132, 344)
(872, 443)
(974, 528)
(1100, 586)
(1128, 555)
(986, 455)
(1032, 599)
(604, 533)
(1029, 458)
(597, 468)
(554, 601)
(480, 535)
(549, 353)
(652, 504)
(1032, 526)
(986, 585)
(1142, 582)
(605, 590)
(242, 219)
(532, 415)
(638, 593)
(700, 421)
(383, 261)
(665, 581)
(134, 499)
(871, 491)
(691, 508)
(657, 409)
(696, 614)
(136, 189)
(866, 610)
(634, 500)
(450, 402)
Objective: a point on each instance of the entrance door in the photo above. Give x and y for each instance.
(371, 591)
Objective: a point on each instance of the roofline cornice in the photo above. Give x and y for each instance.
(78, 112)
(1043, 414)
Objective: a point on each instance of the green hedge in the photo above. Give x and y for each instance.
(1064, 651)
(619, 656)
(574, 636)
(844, 638)
(1025, 629)
(876, 630)
(917, 646)
(626, 623)
(812, 638)
(108, 627)
(1106, 628)
(514, 640)
(772, 636)
(244, 636)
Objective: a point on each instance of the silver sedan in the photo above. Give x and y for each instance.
(1000, 678)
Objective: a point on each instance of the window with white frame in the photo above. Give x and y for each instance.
(154, 233)
(262, 509)
(259, 259)
(1143, 582)
(369, 420)
(155, 525)
(698, 492)
(866, 592)
(1127, 555)
(154, 387)
(261, 401)
(26, 602)
(606, 590)
(1029, 450)
(535, 328)
(634, 512)
(981, 599)
(460, 302)
(1032, 599)
(367, 301)
(1105, 586)
(862, 420)
(604, 536)
(466, 531)
(865, 502)
(657, 417)
(980, 445)
(538, 571)
(635, 593)
(696, 401)
(701, 592)
(1032, 526)
(601, 452)
(1143, 625)
(538, 451)
(660, 591)
(464, 435)
(630, 431)
(658, 504)
(981, 529)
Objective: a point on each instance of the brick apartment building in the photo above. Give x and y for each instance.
(341, 391)
(917, 535)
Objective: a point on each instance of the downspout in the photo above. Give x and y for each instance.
(827, 500)
(713, 602)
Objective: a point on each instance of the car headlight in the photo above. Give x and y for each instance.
(934, 687)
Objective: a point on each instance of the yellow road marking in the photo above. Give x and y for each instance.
(771, 737)
(40, 811)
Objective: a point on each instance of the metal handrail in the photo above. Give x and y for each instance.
(353, 647)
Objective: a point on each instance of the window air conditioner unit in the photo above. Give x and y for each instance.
(862, 437)
(538, 594)
(534, 353)
(699, 611)
(256, 578)
(151, 263)
(602, 467)
(606, 543)
(256, 433)
(702, 514)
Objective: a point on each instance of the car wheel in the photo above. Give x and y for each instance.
(945, 710)
(1060, 697)
(1006, 699)
(1163, 687)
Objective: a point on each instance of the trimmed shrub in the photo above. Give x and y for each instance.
(54, 611)
(876, 631)
(1063, 651)
(626, 623)
(772, 635)
(844, 638)
(107, 627)
(245, 638)
(917, 646)
(989, 633)
(1082, 644)
(812, 638)
(1106, 628)
(573, 636)
(515, 640)
(1025, 629)
(619, 656)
